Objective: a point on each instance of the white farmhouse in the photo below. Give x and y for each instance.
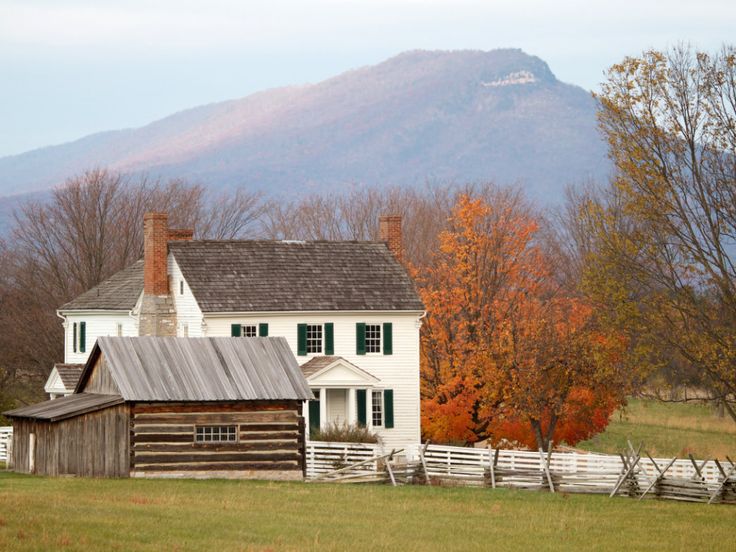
(348, 310)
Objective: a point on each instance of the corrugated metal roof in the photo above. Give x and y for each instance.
(201, 368)
(65, 407)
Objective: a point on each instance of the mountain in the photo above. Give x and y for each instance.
(461, 116)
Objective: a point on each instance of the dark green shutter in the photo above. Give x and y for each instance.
(263, 329)
(235, 330)
(301, 339)
(360, 395)
(74, 337)
(388, 406)
(313, 418)
(388, 338)
(82, 337)
(329, 338)
(360, 338)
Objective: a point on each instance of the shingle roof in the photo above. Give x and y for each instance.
(315, 364)
(259, 276)
(200, 368)
(65, 407)
(69, 374)
(119, 292)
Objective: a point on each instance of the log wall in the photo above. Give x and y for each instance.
(92, 445)
(270, 440)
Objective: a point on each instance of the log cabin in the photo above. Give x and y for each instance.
(172, 407)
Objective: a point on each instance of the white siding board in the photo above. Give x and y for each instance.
(188, 314)
(98, 325)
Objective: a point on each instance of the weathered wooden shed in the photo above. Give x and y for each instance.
(172, 407)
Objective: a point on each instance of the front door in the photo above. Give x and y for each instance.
(337, 406)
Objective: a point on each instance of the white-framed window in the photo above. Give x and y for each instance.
(372, 338)
(216, 434)
(377, 412)
(314, 338)
(119, 329)
(249, 330)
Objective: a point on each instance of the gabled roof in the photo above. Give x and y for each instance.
(65, 407)
(260, 276)
(119, 292)
(69, 374)
(200, 368)
(335, 370)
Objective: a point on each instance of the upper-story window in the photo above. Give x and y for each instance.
(314, 338)
(181, 287)
(372, 338)
(249, 330)
(79, 337)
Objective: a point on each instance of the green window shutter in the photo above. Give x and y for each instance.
(74, 337)
(360, 338)
(388, 406)
(313, 418)
(329, 338)
(301, 339)
(82, 337)
(360, 396)
(263, 329)
(235, 330)
(388, 338)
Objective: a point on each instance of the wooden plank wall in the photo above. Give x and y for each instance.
(92, 445)
(270, 439)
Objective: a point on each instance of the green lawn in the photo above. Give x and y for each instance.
(668, 429)
(88, 514)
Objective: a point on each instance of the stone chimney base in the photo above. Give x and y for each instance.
(157, 316)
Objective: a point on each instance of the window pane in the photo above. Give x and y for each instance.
(216, 434)
(378, 408)
(249, 331)
(372, 338)
(314, 338)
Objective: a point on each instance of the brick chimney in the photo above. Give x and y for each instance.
(390, 232)
(158, 314)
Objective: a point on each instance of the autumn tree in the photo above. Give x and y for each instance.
(502, 342)
(665, 237)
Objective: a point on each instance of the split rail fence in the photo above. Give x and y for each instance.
(632, 473)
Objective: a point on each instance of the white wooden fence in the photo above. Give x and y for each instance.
(324, 457)
(6, 436)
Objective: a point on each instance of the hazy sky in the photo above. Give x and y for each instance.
(71, 68)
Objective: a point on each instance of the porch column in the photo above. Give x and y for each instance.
(322, 407)
(352, 406)
(305, 415)
(369, 408)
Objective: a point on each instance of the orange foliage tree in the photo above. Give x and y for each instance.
(501, 345)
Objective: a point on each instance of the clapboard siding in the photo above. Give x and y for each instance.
(97, 325)
(188, 313)
(398, 371)
(92, 445)
(270, 437)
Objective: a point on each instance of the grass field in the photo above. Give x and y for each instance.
(87, 514)
(668, 429)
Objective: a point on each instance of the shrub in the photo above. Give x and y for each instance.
(344, 433)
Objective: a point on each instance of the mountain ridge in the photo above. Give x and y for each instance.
(460, 116)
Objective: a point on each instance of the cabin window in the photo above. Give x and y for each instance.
(372, 338)
(216, 434)
(377, 417)
(251, 330)
(314, 338)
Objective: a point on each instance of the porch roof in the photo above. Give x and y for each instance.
(336, 371)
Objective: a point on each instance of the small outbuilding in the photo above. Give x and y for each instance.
(172, 407)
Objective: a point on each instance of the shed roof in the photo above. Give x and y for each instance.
(65, 407)
(200, 368)
(119, 292)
